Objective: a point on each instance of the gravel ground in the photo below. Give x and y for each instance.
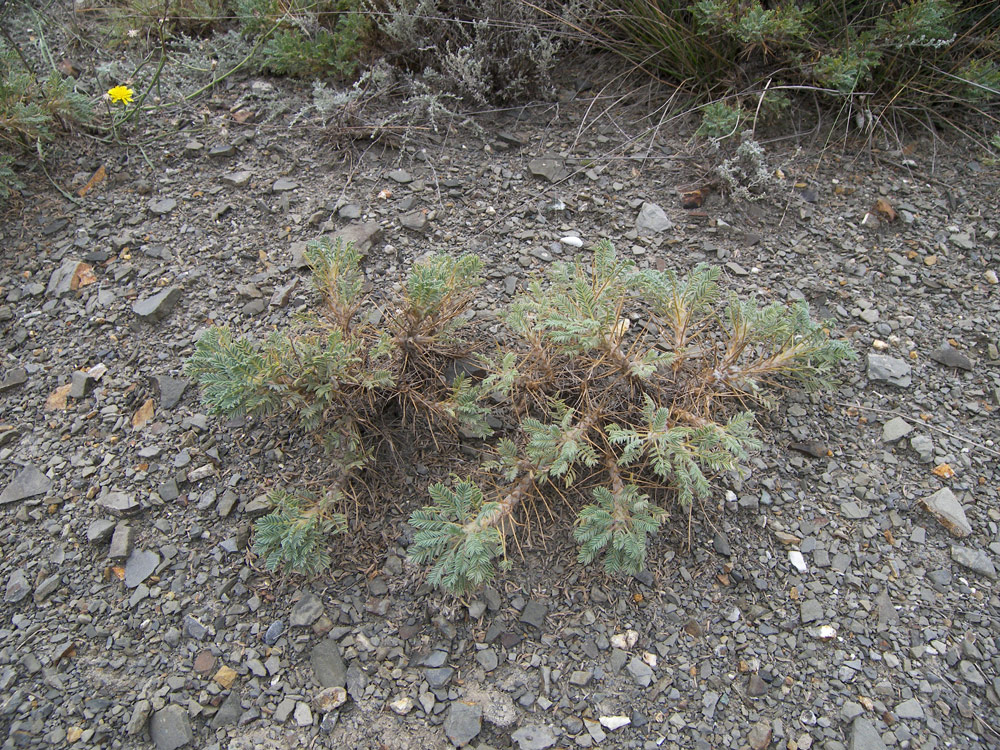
(843, 594)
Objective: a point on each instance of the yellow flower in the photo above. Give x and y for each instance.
(121, 94)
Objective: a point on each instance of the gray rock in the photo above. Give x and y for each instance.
(229, 712)
(895, 430)
(169, 389)
(400, 176)
(909, 709)
(170, 728)
(283, 185)
(306, 611)
(162, 207)
(118, 503)
(237, 179)
(121, 542)
(720, 542)
(581, 678)
(551, 168)
(463, 722)
(641, 672)
(13, 378)
(17, 587)
(944, 506)
(415, 221)
(438, 677)
(66, 277)
(47, 587)
(534, 614)
(140, 566)
(28, 483)
(854, 510)
(349, 211)
(222, 150)
(487, 659)
(327, 664)
(159, 305)
(652, 220)
(274, 632)
(951, 357)
(139, 719)
(923, 446)
(975, 560)
(888, 369)
(534, 737)
(357, 681)
(864, 736)
(194, 628)
(303, 714)
(100, 530)
(810, 611)
(887, 614)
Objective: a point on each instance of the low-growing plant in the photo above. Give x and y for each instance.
(918, 55)
(33, 111)
(630, 386)
(307, 38)
(343, 377)
(625, 385)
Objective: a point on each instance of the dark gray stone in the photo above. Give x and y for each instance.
(13, 378)
(951, 357)
(357, 681)
(400, 176)
(159, 305)
(810, 611)
(864, 736)
(229, 712)
(17, 587)
(534, 614)
(139, 719)
(975, 560)
(327, 664)
(721, 544)
(895, 430)
(28, 483)
(121, 542)
(169, 389)
(283, 185)
(140, 566)
(946, 508)
(463, 722)
(170, 728)
(194, 628)
(100, 530)
(882, 368)
(438, 677)
(551, 168)
(306, 611)
(162, 207)
(534, 737)
(118, 503)
(652, 220)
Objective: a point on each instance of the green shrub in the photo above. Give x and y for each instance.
(914, 54)
(33, 112)
(343, 378)
(638, 418)
(307, 38)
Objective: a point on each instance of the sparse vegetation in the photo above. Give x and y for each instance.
(638, 417)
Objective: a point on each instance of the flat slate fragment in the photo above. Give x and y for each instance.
(159, 305)
(946, 508)
(975, 560)
(30, 481)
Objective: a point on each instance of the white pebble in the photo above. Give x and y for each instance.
(611, 723)
(571, 241)
(798, 561)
